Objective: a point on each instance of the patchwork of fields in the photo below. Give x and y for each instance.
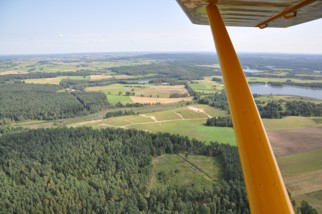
(302, 173)
(54, 80)
(296, 140)
(188, 121)
(142, 93)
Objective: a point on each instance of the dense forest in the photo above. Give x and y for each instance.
(73, 170)
(177, 71)
(107, 171)
(27, 101)
(218, 100)
(281, 108)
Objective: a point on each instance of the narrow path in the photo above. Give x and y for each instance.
(151, 117)
(161, 121)
(195, 168)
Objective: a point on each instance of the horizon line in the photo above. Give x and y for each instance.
(150, 52)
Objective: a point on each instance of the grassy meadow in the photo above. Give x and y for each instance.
(193, 170)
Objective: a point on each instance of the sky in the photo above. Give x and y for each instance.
(82, 26)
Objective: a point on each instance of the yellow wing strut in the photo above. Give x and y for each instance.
(265, 187)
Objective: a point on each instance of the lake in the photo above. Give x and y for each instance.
(286, 90)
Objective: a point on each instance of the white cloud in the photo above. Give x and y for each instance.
(61, 35)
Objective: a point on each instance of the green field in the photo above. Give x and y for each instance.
(55, 80)
(190, 123)
(290, 122)
(58, 65)
(192, 128)
(113, 99)
(180, 170)
(140, 90)
(206, 86)
(301, 163)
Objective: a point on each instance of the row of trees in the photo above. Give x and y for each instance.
(280, 108)
(220, 121)
(289, 82)
(119, 113)
(178, 95)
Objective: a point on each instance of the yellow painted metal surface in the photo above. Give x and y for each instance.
(265, 187)
(250, 13)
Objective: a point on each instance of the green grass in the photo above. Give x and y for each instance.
(291, 122)
(168, 121)
(186, 113)
(201, 86)
(113, 99)
(301, 163)
(302, 174)
(195, 171)
(193, 129)
(207, 86)
(166, 115)
(127, 120)
(145, 90)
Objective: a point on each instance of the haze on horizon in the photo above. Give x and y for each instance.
(46, 27)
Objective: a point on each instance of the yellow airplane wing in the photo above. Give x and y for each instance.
(252, 13)
(264, 184)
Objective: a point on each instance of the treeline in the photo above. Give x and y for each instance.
(217, 79)
(42, 102)
(271, 109)
(220, 121)
(91, 101)
(291, 83)
(119, 113)
(281, 108)
(168, 70)
(178, 95)
(108, 171)
(37, 75)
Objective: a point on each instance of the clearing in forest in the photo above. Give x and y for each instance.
(184, 170)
